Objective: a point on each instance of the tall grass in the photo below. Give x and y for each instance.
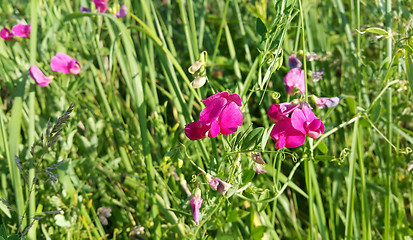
(124, 147)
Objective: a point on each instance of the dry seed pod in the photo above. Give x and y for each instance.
(198, 82)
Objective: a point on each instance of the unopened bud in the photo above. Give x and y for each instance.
(198, 82)
(195, 67)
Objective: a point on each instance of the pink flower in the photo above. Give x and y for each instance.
(295, 81)
(317, 75)
(21, 30)
(285, 135)
(323, 102)
(6, 34)
(221, 115)
(64, 64)
(257, 158)
(196, 202)
(101, 5)
(280, 111)
(218, 185)
(122, 11)
(293, 62)
(306, 122)
(38, 76)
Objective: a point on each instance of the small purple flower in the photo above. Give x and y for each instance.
(123, 11)
(21, 30)
(257, 158)
(317, 75)
(196, 202)
(293, 62)
(6, 34)
(218, 185)
(259, 169)
(84, 9)
(325, 102)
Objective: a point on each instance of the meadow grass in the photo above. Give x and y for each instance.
(122, 167)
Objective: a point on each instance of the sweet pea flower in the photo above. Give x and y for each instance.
(64, 64)
(259, 169)
(21, 30)
(317, 75)
(101, 5)
(218, 185)
(285, 135)
(293, 62)
(295, 81)
(278, 112)
(257, 158)
(38, 76)
(196, 202)
(304, 121)
(6, 34)
(221, 115)
(123, 11)
(84, 9)
(323, 102)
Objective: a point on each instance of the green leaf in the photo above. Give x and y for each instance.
(252, 138)
(409, 70)
(322, 147)
(260, 27)
(258, 232)
(3, 231)
(262, 205)
(13, 237)
(232, 216)
(351, 103)
(376, 110)
(247, 175)
(376, 30)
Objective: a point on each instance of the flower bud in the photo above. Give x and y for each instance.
(195, 67)
(196, 202)
(257, 158)
(198, 82)
(218, 185)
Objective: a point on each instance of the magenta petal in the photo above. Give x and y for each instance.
(230, 119)
(295, 81)
(278, 112)
(298, 120)
(196, 202)
(212, 111)
(6, 34)
(294, 138)
(314, 125)
(309, 115)
(196, 130)
(214, 130)
(123, 11)
(74, 67)
(212, 98)
(316, 132)
(235, 98)
(101, 5)
(38, 76)
(21, 30)
(64, 64)
(278, 132)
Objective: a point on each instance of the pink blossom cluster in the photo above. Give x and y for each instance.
(19, 30)
(59, 63)
(221, 115)
(102, 7)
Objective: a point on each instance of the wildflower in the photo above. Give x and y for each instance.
(306, 122)
(199, 82)
(317, 75)
(291, 132)
(101, 5)
(323, 102)
(196, 202)
(259, 169)
(64, 64)
(218, 185)
(293, 62)
(6, 34)
(278, 112)
(221, 115)
(84, 9)
(38, 76)
(123, 11)
(285, 135)
(295, 81)
(21, 30)
(257, 158)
